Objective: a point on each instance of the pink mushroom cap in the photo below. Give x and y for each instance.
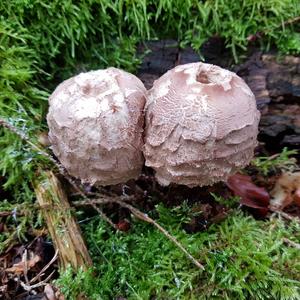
(201, 125)
(95, 124)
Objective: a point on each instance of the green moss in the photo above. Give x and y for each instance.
(279, 162)
(43, 43)
(244, 259)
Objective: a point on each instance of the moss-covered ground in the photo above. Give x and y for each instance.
(244, 259)
(44, 42)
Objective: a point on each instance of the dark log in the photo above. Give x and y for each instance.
(274, 80)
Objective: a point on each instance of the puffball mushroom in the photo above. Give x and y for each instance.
(201, 125)
(95, 124)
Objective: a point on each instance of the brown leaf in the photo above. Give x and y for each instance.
(252, 196)
(52, 293)
(22, 266)
(123, 225)
(49, 292)
(286, 191)
(297, 197)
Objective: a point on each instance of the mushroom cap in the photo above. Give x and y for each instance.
(201, 125)
(95, 124)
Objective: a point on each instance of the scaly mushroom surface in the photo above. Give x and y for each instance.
(95, 124)
(201, 125)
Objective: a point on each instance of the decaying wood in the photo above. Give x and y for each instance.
(62, 226)
(271, 78)
(274, 80)
(166, 54)
(275, 83)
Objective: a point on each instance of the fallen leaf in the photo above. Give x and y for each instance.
(3, 288)
(286, 191)
(49, 292)
(22, 266)
(297, 197)
(123, 225)
(252, 196)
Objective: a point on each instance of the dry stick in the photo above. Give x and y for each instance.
(291, 243)
(28, 288)
(24, 258)
(101, 213)
(105, 217)
(9, 213)
(23, 137)
(144, 217)
(287, 22)
(134, 210)
(45, 267)
(63, 228)
(292, 21)
(101, 200)
(284, 215)
(59, 166)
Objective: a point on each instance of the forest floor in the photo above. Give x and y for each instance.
(249, 250)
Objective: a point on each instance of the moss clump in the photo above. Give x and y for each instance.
(244, 259)
(44, 42)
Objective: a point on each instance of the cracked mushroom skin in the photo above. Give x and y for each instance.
(95, 124)
(201, 125)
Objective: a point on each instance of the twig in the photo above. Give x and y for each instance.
(45, 267)
(28, 288)
(10, 213)
(34, 147)
(26, 139)
(127, 198)
(284, 215)
(292, 21)
(259, 35)
(134, 210)
(91, 203)
(105, 217)
(101, 200)
(24, 258)
(60, 167)
(144, 217)
(291, 243)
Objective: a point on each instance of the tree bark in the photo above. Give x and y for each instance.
(62, 226)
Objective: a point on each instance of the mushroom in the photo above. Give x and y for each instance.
(201, 125)
(95, 124)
